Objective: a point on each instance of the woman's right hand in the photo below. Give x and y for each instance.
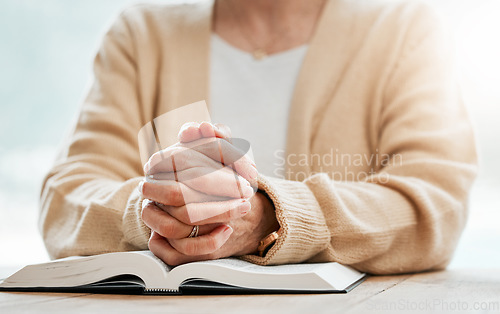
(204, 169)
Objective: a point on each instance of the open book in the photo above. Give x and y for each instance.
(140, 272)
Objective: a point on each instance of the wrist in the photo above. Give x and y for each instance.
(269, 225)
(270, 222)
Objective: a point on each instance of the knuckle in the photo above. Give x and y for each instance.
(146, 210)
(197, 247)
(180, 213)
(155, 161)
(190, 248)
(173, 195)
(167, 229)
(211, 246)
(194, 248)
(146, 190)
(169, 193)
(186, 218)
(144, 215)
(151, 247)
(178, 199)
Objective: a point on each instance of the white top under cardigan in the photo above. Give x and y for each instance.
(253, 98)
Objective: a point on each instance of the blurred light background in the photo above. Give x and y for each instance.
(46, 50)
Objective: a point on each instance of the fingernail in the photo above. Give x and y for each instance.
(248, 191)
(228, 230)
(140, 186)
(244, 207)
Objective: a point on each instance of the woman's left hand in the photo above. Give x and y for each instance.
(220, 237)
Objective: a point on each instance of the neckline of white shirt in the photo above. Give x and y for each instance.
(286, 55)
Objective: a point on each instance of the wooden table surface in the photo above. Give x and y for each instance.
(453, 291)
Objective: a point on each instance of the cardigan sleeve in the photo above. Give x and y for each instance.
(89, 200)
(409, 215)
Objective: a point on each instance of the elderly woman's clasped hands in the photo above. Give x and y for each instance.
(200, 198)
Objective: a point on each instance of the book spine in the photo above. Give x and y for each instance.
(161, 291)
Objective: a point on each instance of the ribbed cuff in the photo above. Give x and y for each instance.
(135, 232)
(303, 233)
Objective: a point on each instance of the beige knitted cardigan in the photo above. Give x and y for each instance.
(376, 97)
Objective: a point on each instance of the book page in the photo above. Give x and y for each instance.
(235, 272)
(150, 255)
(241, 265)
(79, 271)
